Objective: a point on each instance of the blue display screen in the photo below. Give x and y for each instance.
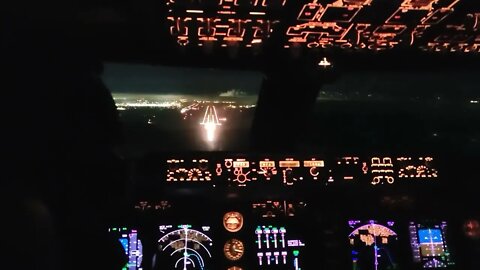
(429, 236)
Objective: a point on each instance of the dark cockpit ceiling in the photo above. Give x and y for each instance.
(250, 34)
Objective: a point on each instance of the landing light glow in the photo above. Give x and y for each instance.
(210, 128)
(210, 122)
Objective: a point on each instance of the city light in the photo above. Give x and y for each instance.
(146, 104)
(191, 110)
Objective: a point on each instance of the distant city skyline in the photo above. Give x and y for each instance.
(207, 83)
(178, 99)
(144, 79)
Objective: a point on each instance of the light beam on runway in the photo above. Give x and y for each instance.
(210, 122)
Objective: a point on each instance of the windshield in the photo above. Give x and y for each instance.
(199, 109)
(183, 109)
(400, 111)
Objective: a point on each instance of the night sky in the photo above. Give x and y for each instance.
(130, 78)
(451, 84)
(148, 79)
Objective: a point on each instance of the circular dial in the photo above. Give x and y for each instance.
(181, 174)
(242, 177)
(314, 171)
(289, 177)
(194, 174)
(233, 249)
(233, 221)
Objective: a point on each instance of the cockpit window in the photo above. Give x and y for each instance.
(183, 109)
(400, 110)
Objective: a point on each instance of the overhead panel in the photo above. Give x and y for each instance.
(369, 25)
(225, 23)
(360, 25)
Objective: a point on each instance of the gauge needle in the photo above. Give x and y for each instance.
(237, 250)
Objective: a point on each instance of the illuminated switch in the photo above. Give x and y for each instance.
(293, 243)
(276, 254)
(266, 231)
(269, 255)
(282, 233)
(258, 232)
(260, 255)
(275, 231)
(284, 255)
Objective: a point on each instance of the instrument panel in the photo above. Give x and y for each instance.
(208, 236)
(289, 171)
(294, 242)
(235, 211)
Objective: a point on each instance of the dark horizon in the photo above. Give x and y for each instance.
(136, 78)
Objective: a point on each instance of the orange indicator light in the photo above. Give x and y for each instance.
(289, 163)
(241, 164)
(313, 163)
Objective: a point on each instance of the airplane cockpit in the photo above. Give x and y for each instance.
(243, 134)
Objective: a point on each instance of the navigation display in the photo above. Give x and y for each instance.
(429, 244)
(373, 245)
(184, 247)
